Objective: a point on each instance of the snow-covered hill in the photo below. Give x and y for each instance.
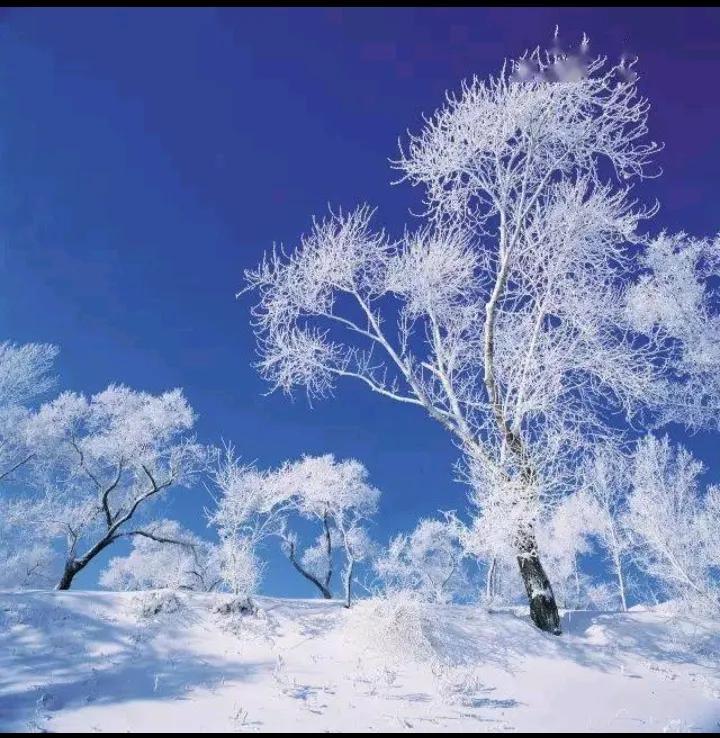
(90, 661)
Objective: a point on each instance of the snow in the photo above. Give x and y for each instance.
(91, 661)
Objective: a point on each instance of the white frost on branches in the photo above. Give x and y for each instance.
(24, 375)
(674, 301)
(188, 563)
(673, 524)
(336, 494)
(606, 487)
(249, 509)
(527, 314)
(427, 561)
(101, 461)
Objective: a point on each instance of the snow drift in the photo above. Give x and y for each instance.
(175, 662)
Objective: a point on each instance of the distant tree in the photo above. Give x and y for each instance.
(674, 301)
(338, 496)
(674, 526)
(24, 375)
(187, 563)
(564, 534)
(101, 461)
(528, 312)
(427, 561)
(250, 508)
(28, 560)
(607, 485)
(357, 545)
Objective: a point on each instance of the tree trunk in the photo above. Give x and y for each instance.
(621, 581)
(75, 565)
(328, 551)
(324, 590)
(348, 581)
(72, 567)
(491, 580)
(543, 607)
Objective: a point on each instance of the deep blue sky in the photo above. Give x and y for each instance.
(147, 157)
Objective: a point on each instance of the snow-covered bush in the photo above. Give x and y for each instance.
(151, 604)
(459, 683)
(236, 606)
(394, 625)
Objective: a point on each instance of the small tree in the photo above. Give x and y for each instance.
(673, 526)
(316, 562)
(187, 563)
(250, 507)
(100, 461)
(356, 542)
(336, 494)
(607, 484)
(427, 561)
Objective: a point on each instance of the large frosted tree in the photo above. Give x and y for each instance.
(527, 314)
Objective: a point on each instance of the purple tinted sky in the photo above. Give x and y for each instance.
(149, 156)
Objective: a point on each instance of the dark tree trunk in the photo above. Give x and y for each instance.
(543, 607)
(75, 565)
(71, 569)
(328, 551)
(324, 590)
(348, 581)
(491, 580)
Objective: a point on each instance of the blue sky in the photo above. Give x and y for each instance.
(148, 157)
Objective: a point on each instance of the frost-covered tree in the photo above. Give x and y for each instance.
(187, 563)
(427, 561)
(607, 485)
(101, 461)
(564, 536)
(250, 508)
(709, 525)
(675, 301)
(24, 375)
(527, 309)
(357, 545)
(28, 560)
(316, 561)
(673, 525)
(335, 494)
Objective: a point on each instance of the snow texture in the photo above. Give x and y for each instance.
(92, 661)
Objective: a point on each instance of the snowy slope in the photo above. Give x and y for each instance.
(88, 661)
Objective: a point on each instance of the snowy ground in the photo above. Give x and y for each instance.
(88, 661)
